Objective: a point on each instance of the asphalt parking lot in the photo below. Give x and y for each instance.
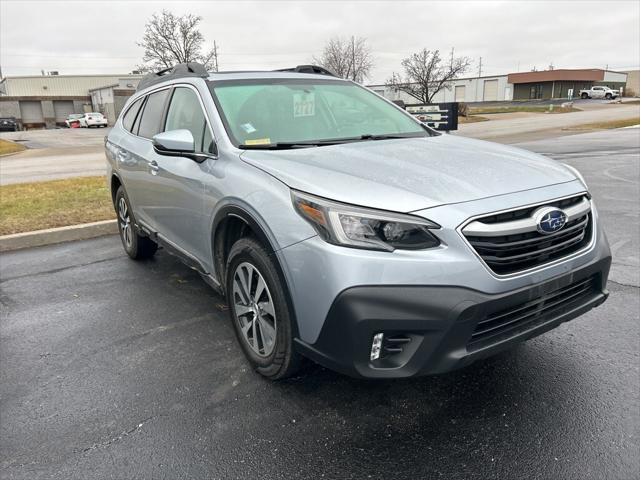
(116, 369)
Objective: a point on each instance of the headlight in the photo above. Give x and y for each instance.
(577, 174)
(357, 227)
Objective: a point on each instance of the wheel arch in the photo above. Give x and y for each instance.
(115, 182)
(234, 221)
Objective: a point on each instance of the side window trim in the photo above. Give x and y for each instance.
(165, 111)
(136, 122)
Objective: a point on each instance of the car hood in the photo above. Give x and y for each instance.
(406, 175)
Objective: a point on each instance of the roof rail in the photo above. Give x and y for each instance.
(181, 70)
(315, 69)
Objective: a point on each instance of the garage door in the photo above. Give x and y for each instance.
(459, 93)
(31, 112)
(490, 93)
(62, 109)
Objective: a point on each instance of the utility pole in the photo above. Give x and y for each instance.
(480, 68)
(353, 57)
(215, 56)
(451, 61)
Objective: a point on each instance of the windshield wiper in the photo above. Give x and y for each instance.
(279, 145)
(390, 136)
(331, 141)
(301, 144)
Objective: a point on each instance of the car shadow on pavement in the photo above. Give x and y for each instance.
(516, 406)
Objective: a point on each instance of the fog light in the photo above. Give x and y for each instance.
(376, 346)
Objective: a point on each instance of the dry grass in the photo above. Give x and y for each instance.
(607, 125)
(7, 147)
(522, 108)
(472, 119)
(33, 206)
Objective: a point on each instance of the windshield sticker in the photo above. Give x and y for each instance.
(258, 141)
(304, 104)
(247, 127)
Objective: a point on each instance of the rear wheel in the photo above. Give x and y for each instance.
(137, 246)
(608, 96)
(259, 310)
(584, 96)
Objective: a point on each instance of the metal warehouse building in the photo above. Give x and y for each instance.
(475, 89)
(541, 85)
(46, 100)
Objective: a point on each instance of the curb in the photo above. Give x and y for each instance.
(50, 236)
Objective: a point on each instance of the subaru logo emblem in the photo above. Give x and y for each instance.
(550, 220)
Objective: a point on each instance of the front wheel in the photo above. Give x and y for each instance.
(259, 310)
(136, 246)
(608, 96)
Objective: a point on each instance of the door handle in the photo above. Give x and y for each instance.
(154, 167)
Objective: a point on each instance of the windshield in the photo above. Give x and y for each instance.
(276, 113)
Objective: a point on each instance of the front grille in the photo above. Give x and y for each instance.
(506, 254)
(527, 212)
(509, 322)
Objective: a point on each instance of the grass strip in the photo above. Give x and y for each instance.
(26, 207)
(627, 122)
(7, 147)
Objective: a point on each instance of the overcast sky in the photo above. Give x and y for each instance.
(99, 36)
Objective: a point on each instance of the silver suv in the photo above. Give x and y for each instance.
(343, 230)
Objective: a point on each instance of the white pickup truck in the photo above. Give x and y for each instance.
(599, 92)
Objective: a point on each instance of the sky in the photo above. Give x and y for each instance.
(91, 37)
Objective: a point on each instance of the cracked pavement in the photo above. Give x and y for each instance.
(115, 369)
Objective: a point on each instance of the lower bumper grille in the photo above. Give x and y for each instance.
(509, 322)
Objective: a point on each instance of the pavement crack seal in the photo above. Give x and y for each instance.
(114, 440)
(623, 284)
(57, 270)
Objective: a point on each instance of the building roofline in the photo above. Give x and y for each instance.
(118, 75)
(453, 80)
(111, 85)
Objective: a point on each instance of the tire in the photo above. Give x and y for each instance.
(608, 96)
(137, 246)
(257, 321)
(584, 96)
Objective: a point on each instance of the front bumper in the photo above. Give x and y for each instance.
(440, 322)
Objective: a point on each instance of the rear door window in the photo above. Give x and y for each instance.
(150, 123)
(130, 116)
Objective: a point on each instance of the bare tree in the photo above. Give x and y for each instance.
(169, 39)
(425, 74)
(348, 58)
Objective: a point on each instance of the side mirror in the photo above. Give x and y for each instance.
(174, 143)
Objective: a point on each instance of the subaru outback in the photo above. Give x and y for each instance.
(343, 230)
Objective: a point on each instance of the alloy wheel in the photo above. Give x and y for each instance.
(124, 220)
(254, 310)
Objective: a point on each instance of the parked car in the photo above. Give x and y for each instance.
(371, 244)
(8, 124)
(94, 119)
(75, 118)
(599, 92)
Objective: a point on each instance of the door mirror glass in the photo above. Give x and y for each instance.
(174, 142)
